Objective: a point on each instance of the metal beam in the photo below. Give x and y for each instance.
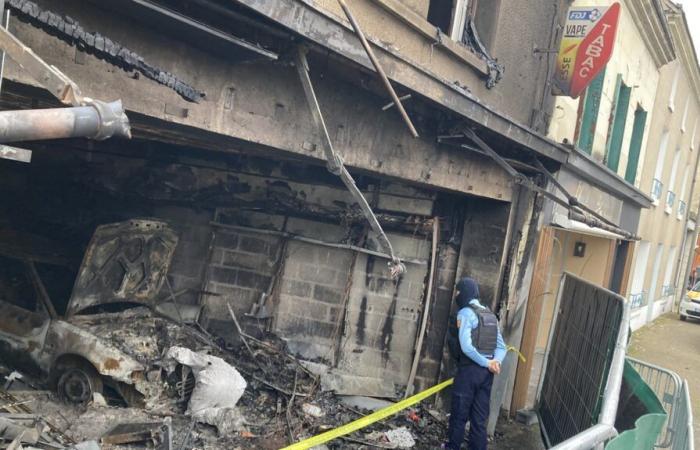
(335, 162)
(577, 211)
(382, 76)
(332, 35)
(50, 77)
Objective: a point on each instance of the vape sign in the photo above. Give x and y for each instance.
(586, 47)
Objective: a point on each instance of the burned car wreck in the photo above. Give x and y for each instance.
(121, 339)
(124, 266)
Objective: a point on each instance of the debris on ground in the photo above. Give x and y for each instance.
(217, 389)
(312, 410)
(210, 394)
(400, 437)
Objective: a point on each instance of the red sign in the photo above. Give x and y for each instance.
(595, 50)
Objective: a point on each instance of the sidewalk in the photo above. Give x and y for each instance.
(675, 345)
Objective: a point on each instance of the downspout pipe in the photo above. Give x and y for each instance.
(605, 429)
(96, 120)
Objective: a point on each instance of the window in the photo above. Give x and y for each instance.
(656, 184)
(668, 288)
(618, 120)
(640, 120)
(637, 295)
(684, 187)
(440, 14)
(460, 19)
(674, 88)
(591, 106)
(685, 114)
(671, 196)
(655, 272)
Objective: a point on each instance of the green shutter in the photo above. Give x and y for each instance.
(591, 106)
(640, 120)
(618, 130)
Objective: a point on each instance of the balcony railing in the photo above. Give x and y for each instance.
(681, 209)
(638, 300)
(656, 187)
(670, 199)
(667, 289)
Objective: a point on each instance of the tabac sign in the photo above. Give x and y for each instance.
(586, 47)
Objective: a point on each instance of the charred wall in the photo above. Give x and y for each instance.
(249, 225)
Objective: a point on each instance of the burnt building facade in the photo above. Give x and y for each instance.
(228, 150)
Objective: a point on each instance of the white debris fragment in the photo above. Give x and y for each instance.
(312, 410)
(98, 399)
(87, 445)
(218, 387)
(401, 437)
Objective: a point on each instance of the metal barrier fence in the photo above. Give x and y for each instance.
(683, 421)
(675, 398)
(582, 340)
(667, 386)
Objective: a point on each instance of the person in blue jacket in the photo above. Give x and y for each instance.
(478, 349)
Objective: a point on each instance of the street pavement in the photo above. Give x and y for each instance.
(670, 343)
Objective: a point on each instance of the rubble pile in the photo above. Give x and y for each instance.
(206, 394)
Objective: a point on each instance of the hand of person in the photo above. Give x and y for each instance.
(494, 367)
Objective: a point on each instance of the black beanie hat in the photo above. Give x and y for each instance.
(468, 290)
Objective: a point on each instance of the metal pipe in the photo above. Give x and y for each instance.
(595, 223)
(587, 439)
(96, 120)
(378, 68)
(296, 237)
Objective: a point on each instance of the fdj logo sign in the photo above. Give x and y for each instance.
(590, 15)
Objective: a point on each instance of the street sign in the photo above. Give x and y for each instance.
(586, 47)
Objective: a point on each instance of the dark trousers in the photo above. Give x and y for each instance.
(471, 393)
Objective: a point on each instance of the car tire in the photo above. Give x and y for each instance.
(684, 318)
(78, 384)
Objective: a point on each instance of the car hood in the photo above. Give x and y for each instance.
(693, 295)
(125, 262)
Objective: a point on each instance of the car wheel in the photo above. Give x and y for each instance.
(684, 318)
(79, 384)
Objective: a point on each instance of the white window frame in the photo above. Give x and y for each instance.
(692, 138)
(674, 88)
(668, 275)
(684, 189)
(460, 11)
(685, 114)
(671, 194)
(655, 272)
(659, 170)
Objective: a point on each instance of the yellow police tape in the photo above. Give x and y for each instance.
(510, 348)
(377, 415)
(368, 420)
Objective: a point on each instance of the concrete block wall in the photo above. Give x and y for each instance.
(311, 299)
(240, 271)
(383, 314)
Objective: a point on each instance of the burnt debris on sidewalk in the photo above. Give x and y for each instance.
(283, 401)
(143, 373)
